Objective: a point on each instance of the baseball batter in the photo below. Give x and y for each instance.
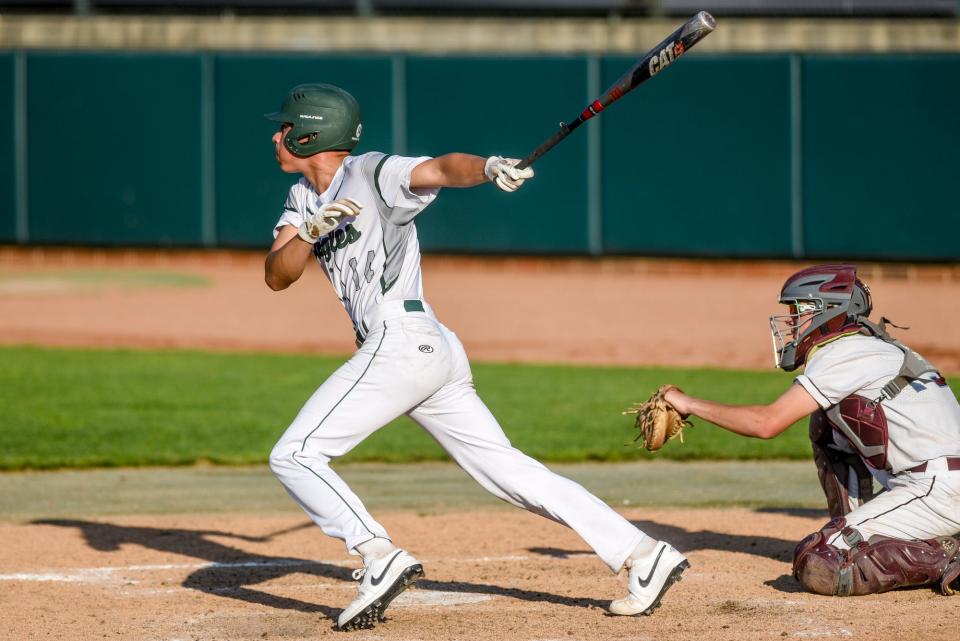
(356, 216)
(878, 410)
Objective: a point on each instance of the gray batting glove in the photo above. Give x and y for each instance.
(317, 225)
(503, 173)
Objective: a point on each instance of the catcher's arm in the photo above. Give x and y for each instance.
(758, 421)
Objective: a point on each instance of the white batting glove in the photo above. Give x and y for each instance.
(316, 226)
(503, 173)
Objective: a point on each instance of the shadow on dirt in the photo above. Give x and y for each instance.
(785, 583)
(558, 553)
(687, 541)
(232, 570)
(803, 512)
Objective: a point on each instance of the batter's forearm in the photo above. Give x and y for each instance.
(449, 170)
(284, 265)
(462, 170)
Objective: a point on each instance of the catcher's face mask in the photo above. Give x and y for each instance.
(823, 300)
(787, 330)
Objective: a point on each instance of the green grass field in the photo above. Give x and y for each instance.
(95, 408)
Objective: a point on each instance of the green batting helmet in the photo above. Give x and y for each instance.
(327, 116)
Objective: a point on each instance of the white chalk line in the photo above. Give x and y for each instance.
(410, 598)
(106, 574)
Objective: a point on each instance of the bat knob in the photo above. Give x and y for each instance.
(563, 124)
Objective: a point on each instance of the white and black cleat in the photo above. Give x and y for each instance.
(675, 576)
(649, 581)
(380, 583)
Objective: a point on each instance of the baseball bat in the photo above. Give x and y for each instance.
(656, 60)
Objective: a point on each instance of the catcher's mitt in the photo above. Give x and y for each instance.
(657, 421)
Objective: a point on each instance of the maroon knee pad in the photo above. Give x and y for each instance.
(874, 566)
(816, 563)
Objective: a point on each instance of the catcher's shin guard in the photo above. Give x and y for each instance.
(835, 467)
(950, 581)
(871, 567)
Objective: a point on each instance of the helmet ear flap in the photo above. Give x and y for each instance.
(292, 141)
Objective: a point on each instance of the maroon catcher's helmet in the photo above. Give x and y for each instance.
(825, 301)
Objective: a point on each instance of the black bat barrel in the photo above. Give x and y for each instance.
(656, 60)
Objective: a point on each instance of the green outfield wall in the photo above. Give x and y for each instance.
(778, 155)
(8, 165)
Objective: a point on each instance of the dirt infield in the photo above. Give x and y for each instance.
(73, 566)
(611, 311)
(490, 576)
(492, 573)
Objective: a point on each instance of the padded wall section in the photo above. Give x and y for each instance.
(700, 161)
(8, 188)
(114, 149)
(697, 160)
(881, 168)
(504, 106)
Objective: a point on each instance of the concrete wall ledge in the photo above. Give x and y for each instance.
(490, 36)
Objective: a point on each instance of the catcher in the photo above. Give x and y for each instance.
(878, 411)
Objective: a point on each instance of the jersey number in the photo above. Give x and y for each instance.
(367, 271)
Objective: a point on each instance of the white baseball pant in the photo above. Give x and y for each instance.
(411, 364)
(916, 506)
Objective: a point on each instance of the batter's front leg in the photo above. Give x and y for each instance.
(364, 394)
(324, 429)
(466, 429)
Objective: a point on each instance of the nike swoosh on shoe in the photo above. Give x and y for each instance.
(375, 580)
(645, 582)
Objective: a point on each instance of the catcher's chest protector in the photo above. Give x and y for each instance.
(861, 420)
(864, 425)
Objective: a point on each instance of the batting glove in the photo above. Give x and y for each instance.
(503, 173)
(317, 225)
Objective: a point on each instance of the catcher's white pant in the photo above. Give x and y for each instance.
(411, 364)
(915, 506)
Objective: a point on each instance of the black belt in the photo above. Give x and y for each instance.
(953, 464)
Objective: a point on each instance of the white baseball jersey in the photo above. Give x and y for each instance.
(374, 257)
(407, 363)
(923, 425)
(923, 421)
